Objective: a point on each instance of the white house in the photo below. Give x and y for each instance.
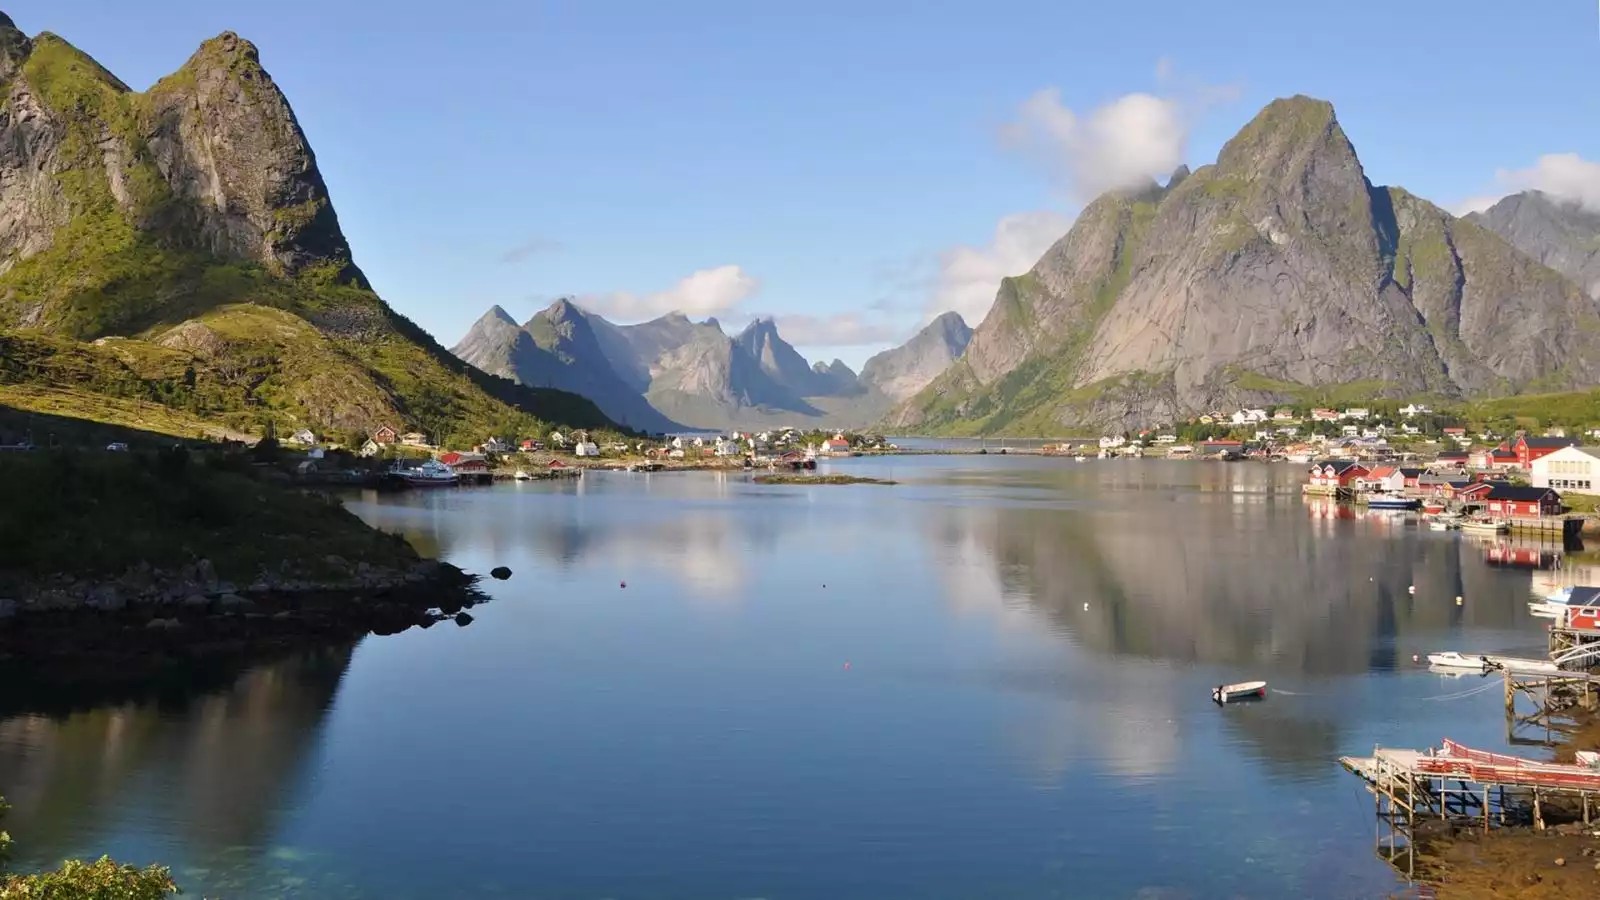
(1166, 439)
(1249, 416)
(305, 437)
(1411, 410)
(1410, 429)
(1575, 469)
(727, 448)
(1289, 430)
(586, 448)
(1356, 412)
(495, 445)
(1283, 415)
(1351, 430)
(1107, 443)
(371, 448)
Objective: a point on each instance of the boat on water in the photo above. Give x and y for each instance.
(1484, 526)
(430, 474)
(1299, 458)
(1438, 524)
(1392, 501)
(1244, 690)
(1458, 662)
(522, 476)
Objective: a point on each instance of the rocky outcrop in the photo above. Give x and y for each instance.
(902, 371)
(1278, 269)
(232, 153)
(1561, 234)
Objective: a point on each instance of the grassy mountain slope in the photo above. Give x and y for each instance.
(189, 225)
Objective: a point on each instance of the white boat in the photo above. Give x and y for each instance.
(1244, 690)
(522, 476)
(1450, 659)
(1439, 525)
(430, 474)
(1484, 526)
(1300, 458)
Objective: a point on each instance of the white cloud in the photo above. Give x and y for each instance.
(841, 330)
(528, 249)
(1564, 175)
(1123, 143)
(708, 292)
(969, 276)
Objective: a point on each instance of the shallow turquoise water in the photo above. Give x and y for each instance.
(988, 681)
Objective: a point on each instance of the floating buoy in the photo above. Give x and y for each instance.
(624, 584)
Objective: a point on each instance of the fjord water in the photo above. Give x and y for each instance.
(988, 681)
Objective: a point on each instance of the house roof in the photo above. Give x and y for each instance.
(1412, 473)
(1472, 487)
(1584, 596)
(1339, 466)
(1383, 472)
(1516, 493)
(1453, 454)
(1547, 443)
(1502, 453)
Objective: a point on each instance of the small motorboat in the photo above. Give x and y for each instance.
(1450, 659)
(1439, 524)
(1244, 690)
(522, 476)
(1392, 501)
(1484, 526)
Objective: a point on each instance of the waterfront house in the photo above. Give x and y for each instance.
(1383, 478)
(466, 463)
(556, 464)
(836, 444)
(385, 435)
(1526, 502)
(1337, 473)
(1471, 491)
(304, 437)
(1411, 478)
(586, 448)
(1220, 448)
(1529, 449)
(1574, 469)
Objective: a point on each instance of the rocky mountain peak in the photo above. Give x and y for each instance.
(14, 48)
(495, 314)
(1560, 233)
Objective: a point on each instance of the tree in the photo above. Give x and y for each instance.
(102, 879)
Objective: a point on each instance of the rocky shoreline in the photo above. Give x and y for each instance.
(62, 631)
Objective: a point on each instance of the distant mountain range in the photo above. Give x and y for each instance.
(1276, 274)
(672, 373)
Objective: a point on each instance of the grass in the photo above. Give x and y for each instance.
(99, 514)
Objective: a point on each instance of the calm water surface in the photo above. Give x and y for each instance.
(989, 681)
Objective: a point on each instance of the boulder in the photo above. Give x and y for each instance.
(106, 598)
(500, 573)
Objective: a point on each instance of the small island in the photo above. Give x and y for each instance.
(797, 478)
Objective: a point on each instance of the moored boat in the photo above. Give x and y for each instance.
(522, 476)
(1392, 501)
(1450, 659)
(1484, 526)
(431, 473)
(1244, 690)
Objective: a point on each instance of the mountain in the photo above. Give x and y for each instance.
(907, 369)
(187, 232)
(672, 372)
(557, 348)
(1559, 233)
(1274, 274)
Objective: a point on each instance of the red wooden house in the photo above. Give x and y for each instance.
(385, 435)
(1526, 502)
(1456, 458)
(1583, 609)
(1470, 491)
(1411, 476)
(1529, 449)
(1337, 473)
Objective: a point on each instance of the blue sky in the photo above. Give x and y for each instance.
(842, 165)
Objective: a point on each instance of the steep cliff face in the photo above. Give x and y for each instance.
(1559, 233)
(902, 371)
(1278, 269)
(190, 222)
(260, 198)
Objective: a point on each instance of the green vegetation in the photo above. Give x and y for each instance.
(75, 880)
(101, 514)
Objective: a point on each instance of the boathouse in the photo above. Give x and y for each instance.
(1384, 478)
(1412, 477)
(1524, 502)
(1337, 473)
(1583, 609)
